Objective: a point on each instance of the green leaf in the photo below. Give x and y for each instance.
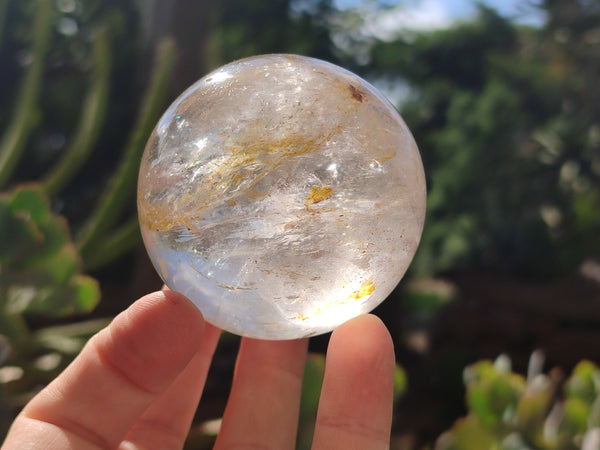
(533, 407)
(311, 384)
(30, 199)
(312, 381)
(31, 233)
(400, 382)
(480, 370)
(583, 382)
(61, 267)
(479, 404)
(56, 237)
(18, 298)
(575, 419)
(493, 398)
(18, 234)
(80, 296)
(40, 269)
(86, 293)
(468, 434)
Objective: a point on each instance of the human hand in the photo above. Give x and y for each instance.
(137, 383)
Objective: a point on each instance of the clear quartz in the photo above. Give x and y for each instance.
(283, 195)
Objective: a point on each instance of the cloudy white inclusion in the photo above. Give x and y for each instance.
(333, 170)
(201, 143)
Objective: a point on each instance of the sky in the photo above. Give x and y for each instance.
(435, 14)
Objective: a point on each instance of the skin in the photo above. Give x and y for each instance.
(137, 383)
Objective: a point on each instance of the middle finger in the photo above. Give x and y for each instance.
(263, 406)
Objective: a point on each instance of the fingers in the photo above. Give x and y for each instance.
(355, 409)
(166, 423)
(119, 373)
(142, 378)
(262, 411)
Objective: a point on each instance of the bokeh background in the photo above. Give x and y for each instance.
(502, 301)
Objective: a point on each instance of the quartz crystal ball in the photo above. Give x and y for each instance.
(283, 195)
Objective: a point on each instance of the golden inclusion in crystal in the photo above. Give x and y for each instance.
(283, 195)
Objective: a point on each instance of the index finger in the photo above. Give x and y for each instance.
(118, 374)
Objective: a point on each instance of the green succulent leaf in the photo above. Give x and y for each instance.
(575, 419)
(533, 407)
(32, 201)
(19, 235)
(311, 384)
(583, 383)
(493, 398)
(40, 269)
(400, 382)
(508, 412)
(87, 293)
(469, 434)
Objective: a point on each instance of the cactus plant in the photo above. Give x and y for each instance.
(25, 112)
(42, 278)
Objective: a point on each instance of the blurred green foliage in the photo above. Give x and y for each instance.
(39, 264)
(40, 276)
(41, 279)
(240, 29)
(509, 411)
(508, 121)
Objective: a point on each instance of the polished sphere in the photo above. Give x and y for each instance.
(283, 195)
